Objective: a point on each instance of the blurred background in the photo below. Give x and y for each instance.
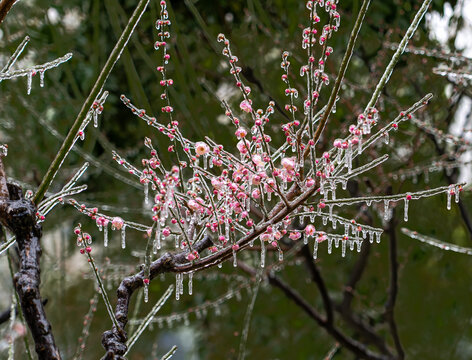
(433, 312)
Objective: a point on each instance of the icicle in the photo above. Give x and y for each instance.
(146, 192)
(269, 194)
(351, 244)
(330, 245)
(405, 215)
(315, 249)
(377, 237)
(176, 240)
(346, 229)
(251, 243)
(456, 191)
(157, 240)
(359, 244)
(325, 220)
(177, 286)
(386, 211)
(220, 265)
(146, 292)
(105, 235)
(95, 119)
(281, 255)
(235, 260)
(312, 217)
(331, 213)
(305, 239)
(344, 184)
(386, 138)
(123, 236)
(449, 198)
(190, 283)
(41, 78)
(343, 248)
(336, 242)
(263, 252)
(29, 82)
(371, 236)
(334, 223)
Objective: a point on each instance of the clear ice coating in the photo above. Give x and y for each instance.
(146, 292)
(190, 283)
(123, 236)
(105, 235)
(405, 209)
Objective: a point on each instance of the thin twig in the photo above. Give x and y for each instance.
(97, 88)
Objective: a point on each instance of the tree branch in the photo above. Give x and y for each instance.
(393, 287)
(5, 6)
(114, 341)
(19, 216)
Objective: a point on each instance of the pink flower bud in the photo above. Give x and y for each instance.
(310, 230)
(245, 106)
(294, 235)
(117, 223)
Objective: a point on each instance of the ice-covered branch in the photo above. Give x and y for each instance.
(437, 243)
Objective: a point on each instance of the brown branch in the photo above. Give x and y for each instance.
(114, 340)
(19, 216)
(5, 6)
(393, 287)
(316, 276)
(344, 310)
(359, 349)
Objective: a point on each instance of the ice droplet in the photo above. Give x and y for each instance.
(405, 215)
(105, 235)
(41, 78)
(190, 283)
(123, 236)
(449, 199)
(263, 253)
(29, 82)
(146, 192)
(386, 211)
(146, 292)
(315, 249)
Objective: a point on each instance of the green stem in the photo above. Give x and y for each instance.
(401, 48)
(98, 86)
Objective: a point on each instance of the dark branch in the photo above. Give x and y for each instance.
(19, 216)
(5, 6)
(316, 276)
(393, 287)
(114, 341)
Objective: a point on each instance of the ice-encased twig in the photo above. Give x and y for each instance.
(6, 245)
(170, 353)
(11, 61)
(31, 71)
(147, 320)
(397, 197)
(437, 243)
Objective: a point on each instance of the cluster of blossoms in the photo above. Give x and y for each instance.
(262, 190)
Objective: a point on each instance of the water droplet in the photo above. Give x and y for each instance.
(123, 236)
